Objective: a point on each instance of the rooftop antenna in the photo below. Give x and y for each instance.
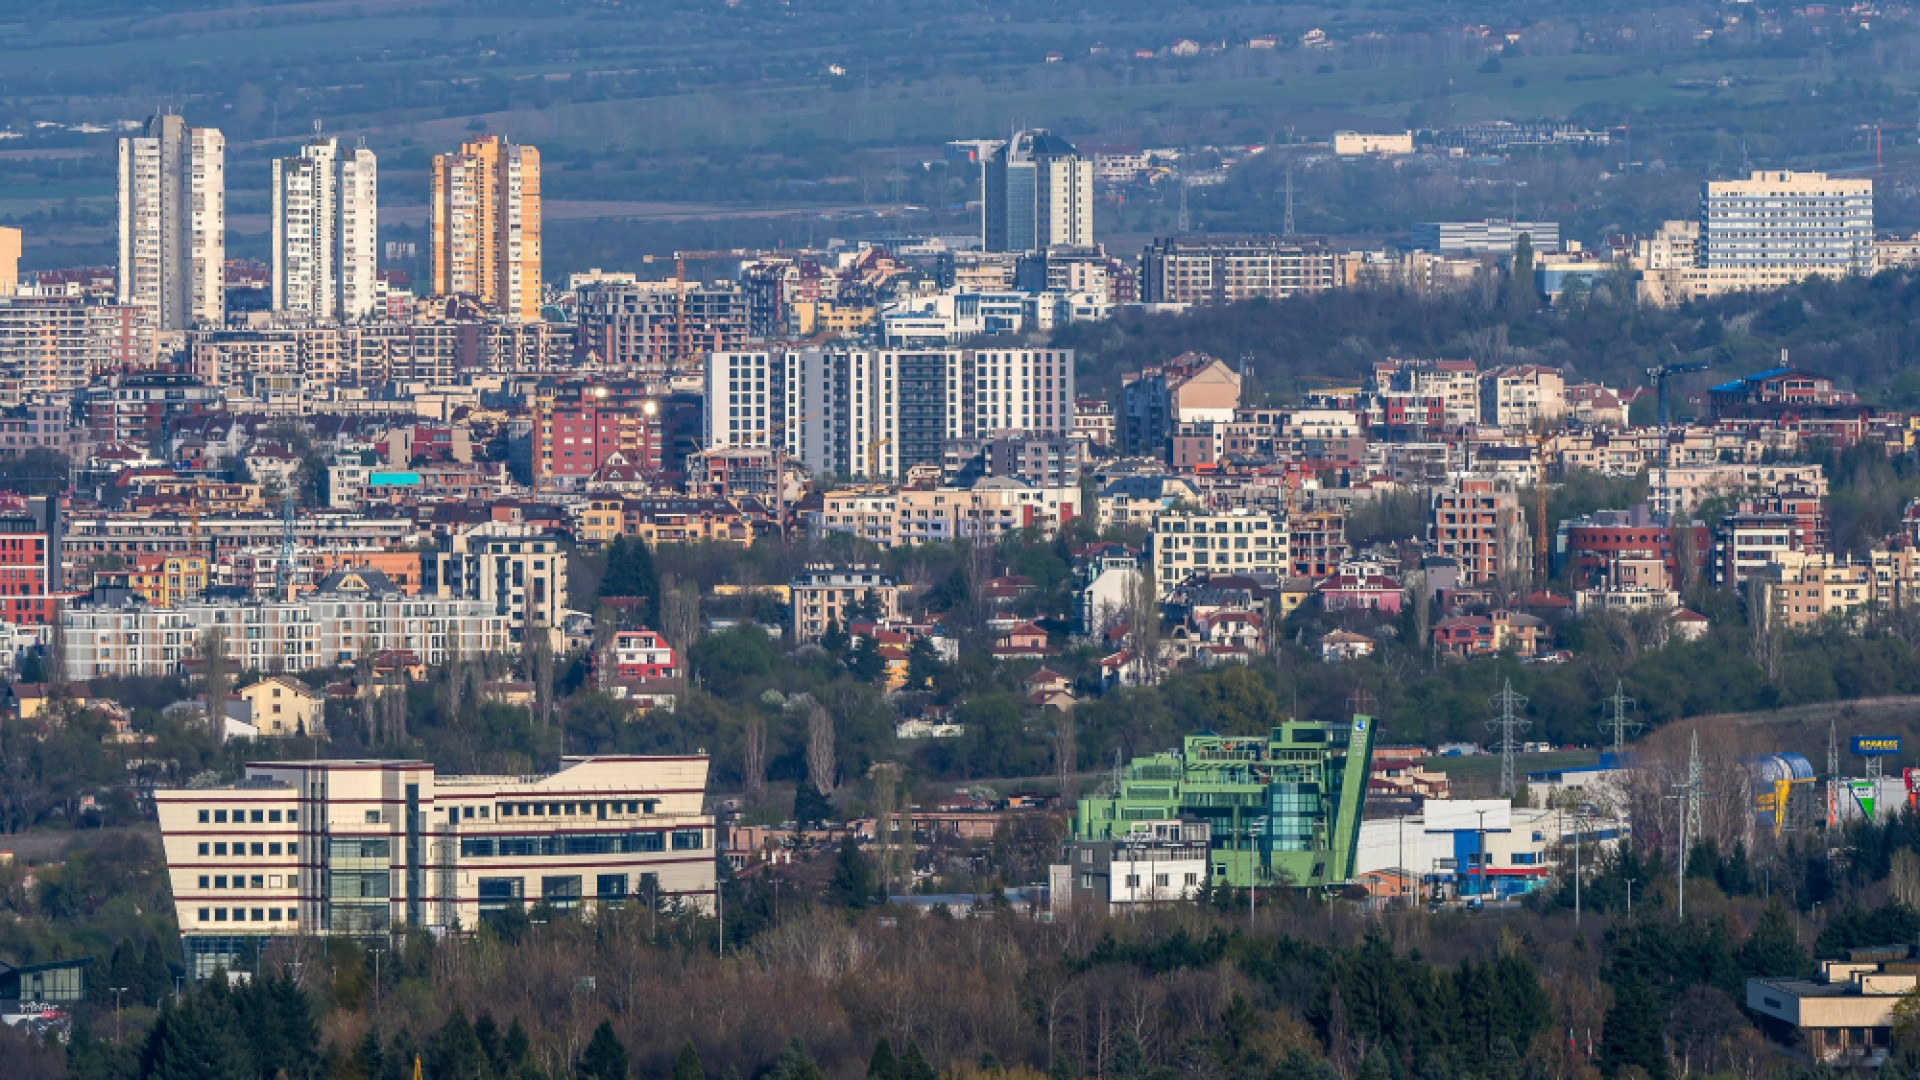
(1618, 723)
(316, 125)
(1508, 726)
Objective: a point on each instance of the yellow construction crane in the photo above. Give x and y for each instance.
(873, 457)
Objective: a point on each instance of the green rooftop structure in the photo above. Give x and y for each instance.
(1284, 808)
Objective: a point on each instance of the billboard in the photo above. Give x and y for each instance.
(1875, 745)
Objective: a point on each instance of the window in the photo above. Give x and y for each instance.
(259, 914)
(273, 815)
(259, 849)
(203, 819)
(687, 840)
(220, 881)
(273, 849)
(612, 887)
(220, 849)
(205, 913)
(219, 817)
(293, 849)
(273, 914)
(293, 815)
(373, 817)
(1086, 881)
(203, 847)
(259, 816)
(203, 881)
(1133, 881)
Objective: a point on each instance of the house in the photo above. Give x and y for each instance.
(1338, 645)
(1047, 680)
(1404, 778)
(1467, 636)
(934, 722)
(642, 654)
(1024, 642)
(1690, 625)
(283, 706)
(1361, 592)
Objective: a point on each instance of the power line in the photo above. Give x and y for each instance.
(1508, 726)
(1617, 723)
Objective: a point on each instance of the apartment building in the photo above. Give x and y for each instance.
(1479, 523)
(1037, 193)
(55, 345)
(1678, 490)
(875, 413)
(515, 571)
(351, 612)
(571, 443)
(659, 328)
(1192, 388)
(326, 231)
(985, 512)
(30, 558)
(824, 595)
(1802, 589)
(173, 223)
(743, 397)
(1207, 269)
(1773, 229)
(642, 655)
(1239, 541)
(865, 512)
(1040, 460)
(485, 217)
(1523, 396)
(364, 848)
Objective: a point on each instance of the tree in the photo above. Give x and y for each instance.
(915, 1066)
(1773, 950)
(852, 884)
(680, 614)
(923, 664)
(836, 638)
(1632, 1035)
(795, 1063)
(1522, 296)
(630, 573)
(213, 658)
(821, 763)
(605, 1057)
(865, 662)
(883, 1065)
(687, 1065)
(456, 1053)
(810, 807)
(753, 757)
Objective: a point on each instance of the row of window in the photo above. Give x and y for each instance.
(219, 914)
(246, 881)
(219, 847)
(241, 817)
(592, 844)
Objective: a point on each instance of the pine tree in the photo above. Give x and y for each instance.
(852, 884)
(883, 1066)
(836, 638)
(687, 1065)
(456, 1053)
(186, 1043)
(156, 978)
(865, 662)
(1632, 1035)
(516, 1048)
(1129, 1062)
(795, 1063)
(810, 808)
(1773, 950)
(914, 1064)
(606, 1056)
(367, 1059)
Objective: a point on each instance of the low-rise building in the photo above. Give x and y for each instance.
(825, 595)
(1843, 1016)
(1238, 541)
(282, 706)
(365, 848)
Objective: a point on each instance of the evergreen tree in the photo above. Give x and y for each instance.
(852, 884)
(795, 1063)
(1773, 950)
(187, 1043)
(915, 1066)
(399, 1056)
(1522, 297)
(1632, 1033)
(606, 1056)
(865, 662)
(156, 978)
(923, 665)
(883, 1066)
(1129, 1061)
(367, 1058)
(516, 1049)
(836, 638)
(456, 1053)
(810, 808)
(687, 1066)
(630, 573)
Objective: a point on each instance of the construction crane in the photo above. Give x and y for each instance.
(873, 457)
(1660, 374)
(682, 345)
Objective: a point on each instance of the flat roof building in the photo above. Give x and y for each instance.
(363, 848)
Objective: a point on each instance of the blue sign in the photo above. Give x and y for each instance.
(393, 479)
(1875, 745)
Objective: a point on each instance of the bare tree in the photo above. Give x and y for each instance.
(369, 692)
(539, 657)
(820, 752)
(1064, 766)
(218, 680)
(753, 757)
(885, 787)
(680, 614)
(1143, 625)
(605, 632)
(454, 675)
(57, 648)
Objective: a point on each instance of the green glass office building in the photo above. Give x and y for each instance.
(1284, 808)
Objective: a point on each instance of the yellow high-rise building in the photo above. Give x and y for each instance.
(486, 225)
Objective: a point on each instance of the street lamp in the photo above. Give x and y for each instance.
(117, 991)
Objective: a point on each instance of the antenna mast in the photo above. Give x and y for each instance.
(1508, 726)
(1286, 224)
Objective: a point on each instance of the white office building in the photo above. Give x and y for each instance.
(742, 391)
(173, 223)
(362, 849)
(326, 231)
